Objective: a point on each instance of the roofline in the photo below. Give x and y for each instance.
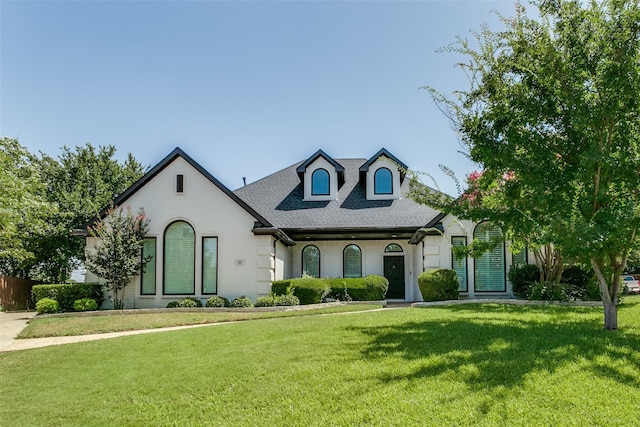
(178, 152)
(303, 167)
(428, 229)
(386, 153)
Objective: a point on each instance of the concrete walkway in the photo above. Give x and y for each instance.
(11, 324)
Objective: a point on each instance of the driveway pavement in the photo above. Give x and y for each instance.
(11, 324)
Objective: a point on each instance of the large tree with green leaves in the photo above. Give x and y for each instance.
(117, 255)
(552, 118)
(81, 182)
(23, 207)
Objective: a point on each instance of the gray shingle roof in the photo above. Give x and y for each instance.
(279, 198)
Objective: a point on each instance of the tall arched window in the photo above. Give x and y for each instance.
(320, 183)
(179, 259)
(352, 261)
(489, 269)
(311, 261)
(383, 181)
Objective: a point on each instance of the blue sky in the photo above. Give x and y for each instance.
(246, 88)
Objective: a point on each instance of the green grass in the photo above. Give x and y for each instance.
(464, 365)
(40, 327)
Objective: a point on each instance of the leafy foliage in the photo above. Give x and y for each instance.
(67, 293)
(85, 304)
(551, 118)
(241, 301)
(218, 301)
(47, 306)
(190, 302)
(440, 284)
(116, 257)
(312, 290)
(522, 276)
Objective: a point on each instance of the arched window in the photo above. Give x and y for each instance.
(383, 181)
(320, 183)
(352, 261)
(489, 269)
(393, 247)
(311, 261)
(179, 259)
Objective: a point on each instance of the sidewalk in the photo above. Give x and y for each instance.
(11, 324)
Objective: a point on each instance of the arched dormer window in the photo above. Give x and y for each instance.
(383, 181)
(311, 261)
(320, 183)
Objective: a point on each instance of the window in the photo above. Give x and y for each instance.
(393, 247)
(459, 264)
(352, 261)
(311, 261)
(179, 259)
(320, 183)
(209, 265)
(148, 274)
(520, 258)
(490, 268)
(383, 181)
(179, 183)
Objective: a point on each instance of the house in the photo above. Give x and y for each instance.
(323, 217)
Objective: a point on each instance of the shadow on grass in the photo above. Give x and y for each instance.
(490, 347)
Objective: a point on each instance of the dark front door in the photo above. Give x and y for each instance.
(394, 272)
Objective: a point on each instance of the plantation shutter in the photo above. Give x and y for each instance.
(148, 276)
(209, 265)
(490, 268)
(179, 259)
(352, 261)
(460, 264)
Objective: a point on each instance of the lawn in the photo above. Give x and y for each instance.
(465, 365)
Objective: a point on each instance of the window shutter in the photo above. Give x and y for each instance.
(490, 268)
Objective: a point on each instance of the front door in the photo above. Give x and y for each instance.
(394, 272)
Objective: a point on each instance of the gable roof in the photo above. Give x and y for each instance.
(338, 167)
(279, 197)
(177, 152)
(383, 152)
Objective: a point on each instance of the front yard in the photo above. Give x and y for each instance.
(465, 365)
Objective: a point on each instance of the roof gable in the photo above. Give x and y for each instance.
(383, 152)
(303, 167)
(176, 153)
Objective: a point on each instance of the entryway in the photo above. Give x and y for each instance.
(394, 273)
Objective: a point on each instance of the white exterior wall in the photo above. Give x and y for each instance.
(283, 262)
(321, 163)
(245, 261)
(383, 162)
(331, 263)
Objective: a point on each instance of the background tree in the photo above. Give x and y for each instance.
(117, 256)
(81, 182)
(553, 104)
(23, 207)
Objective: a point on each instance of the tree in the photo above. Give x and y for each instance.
(117, 256)
(81, 182)
(23, 207)
(553, 105)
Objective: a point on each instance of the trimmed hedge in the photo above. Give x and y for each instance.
(310, 290)
(47, 306)
(440, 284)
(522, 278)
(66, 294)
(218, 301)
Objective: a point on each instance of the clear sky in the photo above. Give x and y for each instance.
(244, 87)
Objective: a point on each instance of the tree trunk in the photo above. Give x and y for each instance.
(549, 262)
(610, 316)
(609, 299)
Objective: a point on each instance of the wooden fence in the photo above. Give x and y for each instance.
(15, 294)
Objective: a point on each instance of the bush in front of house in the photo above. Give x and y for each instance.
(273, 300)
(584, 279)
(218, 301)
(67, 293)
(440, 284)
(241, 301)
(47, 306)
(522, 276)
(85, 304)
(173, 304)
(190, 302)
(550, 291)
(310, 290)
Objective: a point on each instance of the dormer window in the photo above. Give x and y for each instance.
(320, 183)
(383, 181)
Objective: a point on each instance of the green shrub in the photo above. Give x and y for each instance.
(266, 301)
(85, 304)
(173, 304)
(218, 301)
(286, 300)
(66, 294)
(583, 279)
(47, 305)
(438, 285)
(310, 290)
(241, 301)
(550, 291)
(190, 302)
(281, 287)
(522, 276)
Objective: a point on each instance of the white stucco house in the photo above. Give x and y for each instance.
(322, 216)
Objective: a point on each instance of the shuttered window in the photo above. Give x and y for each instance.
(460, 263)
(311, 261)
(209, 265)
(489, 269)
(179, 259)
(148, 275)
(352, 261)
